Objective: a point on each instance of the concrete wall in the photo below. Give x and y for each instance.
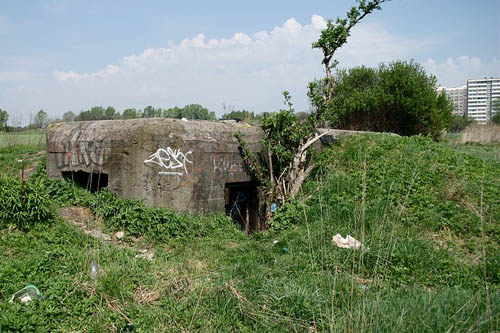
(182, 165)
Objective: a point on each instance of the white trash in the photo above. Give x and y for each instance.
(346, 243)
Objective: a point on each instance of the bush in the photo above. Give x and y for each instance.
(398, 98)
(24, 204)
(459, 123)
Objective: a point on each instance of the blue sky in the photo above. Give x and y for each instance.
(61, 55)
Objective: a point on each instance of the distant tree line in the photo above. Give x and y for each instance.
(191, 111)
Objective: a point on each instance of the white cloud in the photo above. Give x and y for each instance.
(455, 71)
(247, 71)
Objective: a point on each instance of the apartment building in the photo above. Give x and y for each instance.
(458, 96)
(480, 95)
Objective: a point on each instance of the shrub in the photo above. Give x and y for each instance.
(399, 98)
(24, 204)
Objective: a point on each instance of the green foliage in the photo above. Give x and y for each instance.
(434, 187)
(4, 117)
(242, 115)
(496, 118)
(191, 111)
(495, 105)
(459, 123)
(398, 98)
(23, 204)
(68, 116)
(283, 134)
(156, 223)
(335, 35)
(495, 108)
(331, 39)
(13, 157)
(130, 114)
(41, 119)
(287, 216)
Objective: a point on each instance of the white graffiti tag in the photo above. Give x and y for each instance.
(170, 160)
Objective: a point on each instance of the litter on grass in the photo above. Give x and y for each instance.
(94, 270)
(145, 254)
(347, 243)
(27, 294)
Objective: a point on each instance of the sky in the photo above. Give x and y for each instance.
(70, 55)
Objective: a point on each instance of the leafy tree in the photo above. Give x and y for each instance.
(331, 39)
(130, 114)
(399, 98)
(68, 116)
(4, 117)
(98, 113)
(495, 108)
(242, 115)
(41, 119)
(283, 164)
(197, 112)
(151, 112)
(110, 113)
(459, 122)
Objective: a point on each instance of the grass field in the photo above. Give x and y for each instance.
(427, 214)
(36, 138)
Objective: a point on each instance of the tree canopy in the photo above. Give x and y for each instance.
(399, 98)
(190, 111)
(495, 111)
(41, 119)
(4, 117)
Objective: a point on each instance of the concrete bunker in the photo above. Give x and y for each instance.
(182, 165)
(190, 166)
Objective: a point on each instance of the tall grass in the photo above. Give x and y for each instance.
(11, 139)
(481, 134)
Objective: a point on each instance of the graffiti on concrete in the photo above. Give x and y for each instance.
(223, 165)
(83, 153)
(170, 159)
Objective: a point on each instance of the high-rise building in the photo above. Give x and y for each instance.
(458, 96)
(480, 95)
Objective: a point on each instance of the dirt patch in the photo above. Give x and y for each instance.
(146, 296)
(83, 218)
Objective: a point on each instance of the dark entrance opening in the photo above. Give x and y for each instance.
(92, 182)
(242, 204)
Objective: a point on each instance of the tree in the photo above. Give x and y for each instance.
(495, 111)
(459, 122)
(4, 117)
(151, 112)
(399, 98)
(197, 112)
(130, 114)
(331, 39)
(68, 116)
(110, 113)
(41, 119)
(283, 164)
(242, 115)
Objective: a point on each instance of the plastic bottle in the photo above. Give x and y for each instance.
(94, 269)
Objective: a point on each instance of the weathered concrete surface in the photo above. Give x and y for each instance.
(183, 165)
